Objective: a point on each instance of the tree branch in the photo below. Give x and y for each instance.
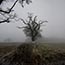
(23, 21)
(7, 12)
(35, 18)
(1, 2)
(7, 20)
(41, 22)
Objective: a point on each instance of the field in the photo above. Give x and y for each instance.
(34, 54)
(55, 45)
(4, 49)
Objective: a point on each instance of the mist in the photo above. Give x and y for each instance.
(51, 10)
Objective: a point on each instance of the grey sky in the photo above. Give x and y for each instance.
(51, 10)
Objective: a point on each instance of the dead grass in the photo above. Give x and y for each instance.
(6, 49)
(36, 54)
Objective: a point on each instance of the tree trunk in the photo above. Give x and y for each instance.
(33, 39)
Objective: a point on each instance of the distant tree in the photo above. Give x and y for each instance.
(8, 40)
(32, 27)
(5, 14)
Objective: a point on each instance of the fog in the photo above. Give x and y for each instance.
(51, 10)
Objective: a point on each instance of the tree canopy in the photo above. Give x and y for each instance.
(32, 27)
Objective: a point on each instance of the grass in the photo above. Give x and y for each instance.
(37, 54)
(6, 49)
(41, 53)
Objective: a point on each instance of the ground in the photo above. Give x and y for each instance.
(34, 54)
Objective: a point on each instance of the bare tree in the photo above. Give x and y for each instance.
(7, 12)
(32, 27)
